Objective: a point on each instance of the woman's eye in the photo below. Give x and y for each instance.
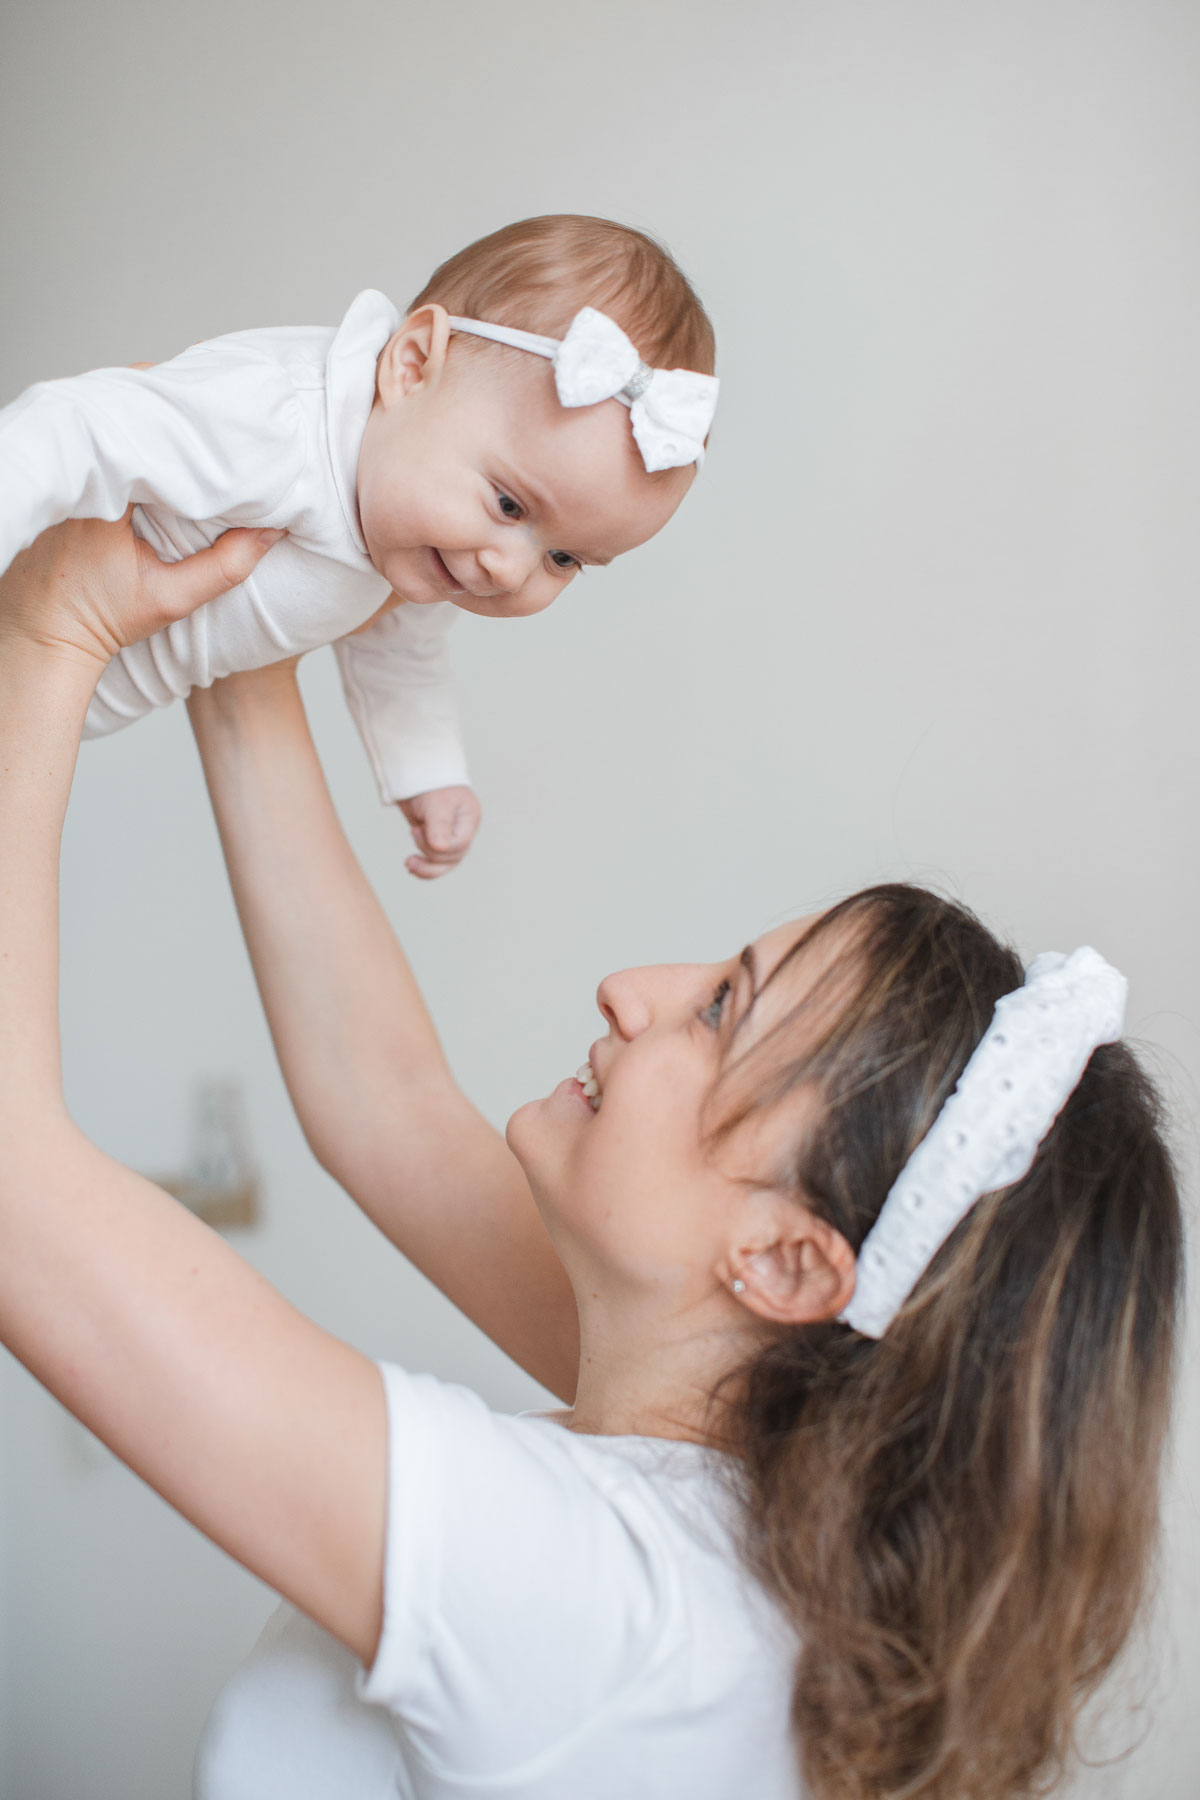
(512, 509)
(712, 1012)
(563, 560)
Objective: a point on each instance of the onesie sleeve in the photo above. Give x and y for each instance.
(399, 686)
(520, 1599)
(212, 433)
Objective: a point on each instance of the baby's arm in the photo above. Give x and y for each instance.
(400, 689)
(211, 434)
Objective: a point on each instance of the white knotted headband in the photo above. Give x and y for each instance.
(1024, 1069)
(670, 410)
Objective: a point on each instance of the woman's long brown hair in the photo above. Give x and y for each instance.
(960, 1518)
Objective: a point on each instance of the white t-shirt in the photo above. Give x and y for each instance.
(260, 428)
(565, 1618)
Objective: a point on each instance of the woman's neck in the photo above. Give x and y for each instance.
(645, 1375)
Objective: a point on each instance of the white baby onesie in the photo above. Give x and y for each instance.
(261, 428)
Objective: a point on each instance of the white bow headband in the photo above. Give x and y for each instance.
(670, 409)
(1024, 1068)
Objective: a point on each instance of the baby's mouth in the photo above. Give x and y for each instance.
(443, 572)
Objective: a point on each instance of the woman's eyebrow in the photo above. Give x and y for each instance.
(747, 971)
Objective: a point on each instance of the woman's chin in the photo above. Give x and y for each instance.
(524, 1131)
(515, 1129)
(539, 1133)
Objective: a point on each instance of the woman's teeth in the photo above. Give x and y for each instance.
(589, 1084)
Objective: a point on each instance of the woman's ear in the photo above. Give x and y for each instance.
(414, 353)
(803, 1275)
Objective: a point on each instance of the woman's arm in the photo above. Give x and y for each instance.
(265, 1432)
(358, 1050)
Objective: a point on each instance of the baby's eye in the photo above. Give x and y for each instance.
(711, 1014)
(562, 559)
(512, 509)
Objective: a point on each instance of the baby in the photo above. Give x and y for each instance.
(468, 455)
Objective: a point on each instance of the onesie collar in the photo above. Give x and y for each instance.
(350, 389)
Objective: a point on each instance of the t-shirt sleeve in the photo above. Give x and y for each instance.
(521, 1596)
(400, 689)
(212, 433)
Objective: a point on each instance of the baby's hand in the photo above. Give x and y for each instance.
(443, 823)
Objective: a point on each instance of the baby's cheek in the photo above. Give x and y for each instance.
(382, 494)
(540, 591)
(377, 512)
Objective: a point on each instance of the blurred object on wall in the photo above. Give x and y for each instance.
(220, 1181)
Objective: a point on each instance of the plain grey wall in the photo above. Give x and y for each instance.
(928, 614)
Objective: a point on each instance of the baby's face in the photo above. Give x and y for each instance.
(476, 485)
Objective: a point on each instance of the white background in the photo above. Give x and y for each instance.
(929, 614)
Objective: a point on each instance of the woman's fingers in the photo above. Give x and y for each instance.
(173, 590)
(88, 588)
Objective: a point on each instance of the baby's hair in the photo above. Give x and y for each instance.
(535, 275)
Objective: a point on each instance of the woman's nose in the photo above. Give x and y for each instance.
(662, 993)
(636, 998)
(624, 1000)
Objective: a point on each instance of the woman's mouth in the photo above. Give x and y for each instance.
(586, 1078)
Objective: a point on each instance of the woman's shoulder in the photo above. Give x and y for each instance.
(683, 1480)
(607, 1463)
(661, 1515)
(602, 1573)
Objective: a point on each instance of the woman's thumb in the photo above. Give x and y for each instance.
(183, 586)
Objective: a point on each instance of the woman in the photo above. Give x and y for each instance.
(823, 1516)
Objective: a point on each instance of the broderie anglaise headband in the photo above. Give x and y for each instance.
(1024, 1069)
(670, 410)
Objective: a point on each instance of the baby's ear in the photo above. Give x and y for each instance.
(413, 354)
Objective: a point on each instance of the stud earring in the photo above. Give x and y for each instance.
(737, 1285)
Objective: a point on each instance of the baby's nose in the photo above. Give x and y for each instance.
(509, 564)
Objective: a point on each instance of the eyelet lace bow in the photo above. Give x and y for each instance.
(670, 410)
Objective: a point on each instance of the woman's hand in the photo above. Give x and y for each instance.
(85, 589)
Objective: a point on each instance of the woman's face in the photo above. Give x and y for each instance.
(631, 1185)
